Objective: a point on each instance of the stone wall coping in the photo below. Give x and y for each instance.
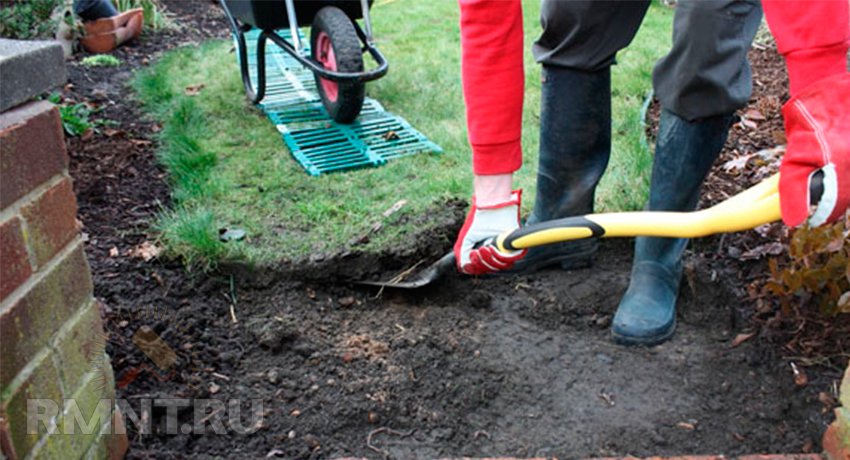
(28, 69)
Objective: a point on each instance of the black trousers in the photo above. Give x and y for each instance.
(706, 72)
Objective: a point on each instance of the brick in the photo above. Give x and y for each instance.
(834, 448)
(684, 457)
(42, 383)
(29, 68)
(82, 348)
(782, 457)
(71, 439)
(32, 149)
(117, 444)
(51, 221)
(32, 320)
(6, 447)
(15, 268)
(111, 445)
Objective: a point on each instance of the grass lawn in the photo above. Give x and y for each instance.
(230, 169)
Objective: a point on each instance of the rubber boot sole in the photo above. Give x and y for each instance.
(658, 339)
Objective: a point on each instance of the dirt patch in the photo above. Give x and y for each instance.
(512, 366)
(518, 366)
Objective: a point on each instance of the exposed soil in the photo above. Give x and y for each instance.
(508, 366)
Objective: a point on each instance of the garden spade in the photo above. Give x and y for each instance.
(758, 205)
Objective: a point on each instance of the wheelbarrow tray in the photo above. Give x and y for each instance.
(271, 14)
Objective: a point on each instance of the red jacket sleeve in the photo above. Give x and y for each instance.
(493, 82)
(813, 35)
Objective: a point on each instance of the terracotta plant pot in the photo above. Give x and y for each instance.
(105, 34)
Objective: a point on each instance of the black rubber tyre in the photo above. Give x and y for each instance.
(348, 57)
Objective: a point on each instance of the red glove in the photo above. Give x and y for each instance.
(483, 223)
(817, 125)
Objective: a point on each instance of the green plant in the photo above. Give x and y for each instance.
(817, 270)
(101, 60)
(76, 119)
(28, 19)
(155, 19)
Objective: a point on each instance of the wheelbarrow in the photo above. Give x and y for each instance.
(337, 46)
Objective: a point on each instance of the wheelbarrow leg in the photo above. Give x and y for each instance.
(261, 69)
(255, 96)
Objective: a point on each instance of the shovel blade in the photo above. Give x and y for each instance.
(419, 279)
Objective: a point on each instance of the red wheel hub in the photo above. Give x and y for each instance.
(325, 55)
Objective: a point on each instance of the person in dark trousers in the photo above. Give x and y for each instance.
(92, 10)
(700, 83)
(105, 27)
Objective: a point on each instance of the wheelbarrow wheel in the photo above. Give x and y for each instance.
(335, 45)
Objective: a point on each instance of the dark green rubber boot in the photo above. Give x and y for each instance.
(684, 154)
(575, 143)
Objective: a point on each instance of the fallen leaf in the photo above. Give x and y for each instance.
(844, 302)
(835, 245)
(295, 413)
(741, 338)
(607, 397)
(754, 114)
(686, 426)
(194, 90)
(347, 301)
(395, 208)
(113, 252)
(745, 123)
(110, 132)
(772, 249)
(214, 388)
(737, 164)
(140, 142)
(146, 251)
(390, 136)
(778, 136)
(275, 453)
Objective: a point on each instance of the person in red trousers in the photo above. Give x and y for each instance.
(700, 83)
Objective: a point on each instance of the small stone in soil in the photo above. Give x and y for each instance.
(272, 376)
(311, 441)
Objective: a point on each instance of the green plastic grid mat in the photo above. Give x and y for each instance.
(318, 143)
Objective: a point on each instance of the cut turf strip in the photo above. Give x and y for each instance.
(318, 143)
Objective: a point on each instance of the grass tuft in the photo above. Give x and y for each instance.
(191, 235)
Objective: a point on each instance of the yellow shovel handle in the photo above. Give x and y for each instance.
(755, 206)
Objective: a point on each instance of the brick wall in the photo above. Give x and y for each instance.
(52, 358)
(836, 441)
